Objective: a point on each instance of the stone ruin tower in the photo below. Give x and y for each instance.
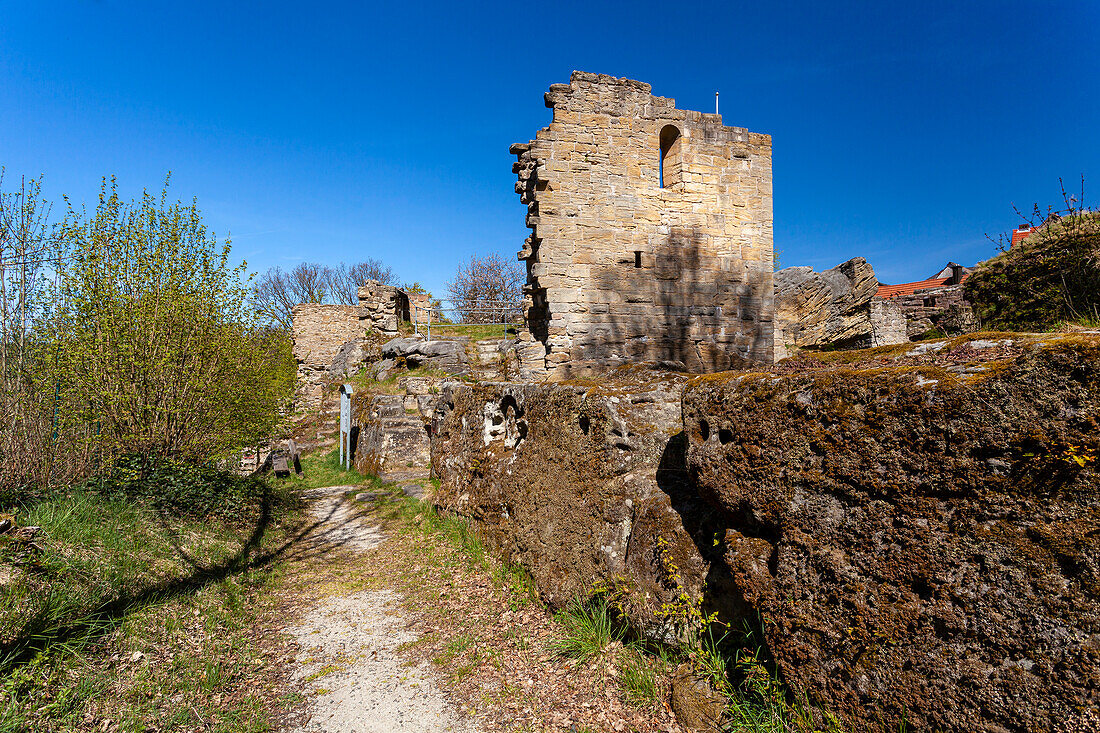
(651, 231)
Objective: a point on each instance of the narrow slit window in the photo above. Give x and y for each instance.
(637, 258)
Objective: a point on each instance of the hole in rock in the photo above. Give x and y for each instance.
(585, 424)
(509, 403)
(725, 435)
(704, 430)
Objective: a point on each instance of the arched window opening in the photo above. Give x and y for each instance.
(669, 171)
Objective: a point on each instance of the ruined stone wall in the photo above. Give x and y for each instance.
(622, 269)
(418, 307)
(945, 308)
(318, 330)
(329, 339)
(379, 307)
(888, 323)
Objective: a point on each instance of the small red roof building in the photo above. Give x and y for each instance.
(952, 274)
(1020, 234)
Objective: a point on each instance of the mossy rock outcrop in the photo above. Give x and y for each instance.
(918, 528)
(576, 483)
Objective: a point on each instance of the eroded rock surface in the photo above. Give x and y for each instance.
(572, 481)
(920, 531)
(446, 355)
(392, 434)
(834, 307)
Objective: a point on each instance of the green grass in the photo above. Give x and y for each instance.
(117, 574)
(391, 385)
(590, 627)
(324, 469)
(519, 584)
(472, 331)
(640, 677)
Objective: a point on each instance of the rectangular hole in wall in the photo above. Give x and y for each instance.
(637, 258)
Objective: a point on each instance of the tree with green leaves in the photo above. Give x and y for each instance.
(157, 342)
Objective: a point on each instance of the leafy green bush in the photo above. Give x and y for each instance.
(156, 340)
(181, 488)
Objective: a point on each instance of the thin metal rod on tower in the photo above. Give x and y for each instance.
(716, 103)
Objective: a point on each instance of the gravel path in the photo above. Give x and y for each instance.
(349, 658)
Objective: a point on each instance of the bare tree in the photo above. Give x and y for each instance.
(276, 292)
(271, 298)
(344, 280)
(486, 287)
(308, 283)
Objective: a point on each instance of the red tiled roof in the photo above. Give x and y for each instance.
(893, 291)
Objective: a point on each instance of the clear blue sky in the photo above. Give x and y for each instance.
(902, 132)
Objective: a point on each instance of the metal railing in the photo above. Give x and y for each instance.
(463, 315)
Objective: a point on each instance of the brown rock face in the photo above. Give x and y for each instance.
(568, 481)
(922, 541)
(834, 307)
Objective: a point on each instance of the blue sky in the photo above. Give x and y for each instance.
(338, 131)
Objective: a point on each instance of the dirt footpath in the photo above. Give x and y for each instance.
(349, 662)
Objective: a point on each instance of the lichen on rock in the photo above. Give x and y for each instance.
(918, 532)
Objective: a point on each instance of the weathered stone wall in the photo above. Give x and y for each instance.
(888, 323)
(919, 537)
(391, 433)
(318, 331)
(944, 308)
(331, 341)
(379, 307)
(621, 269)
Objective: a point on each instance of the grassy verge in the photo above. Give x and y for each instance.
(584, 638)
(323, 469)
(472, 331)
(126, 616)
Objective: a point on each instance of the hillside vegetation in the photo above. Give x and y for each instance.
(1051, 278)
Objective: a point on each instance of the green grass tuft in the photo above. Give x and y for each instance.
(590, 628)
(639, 677)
